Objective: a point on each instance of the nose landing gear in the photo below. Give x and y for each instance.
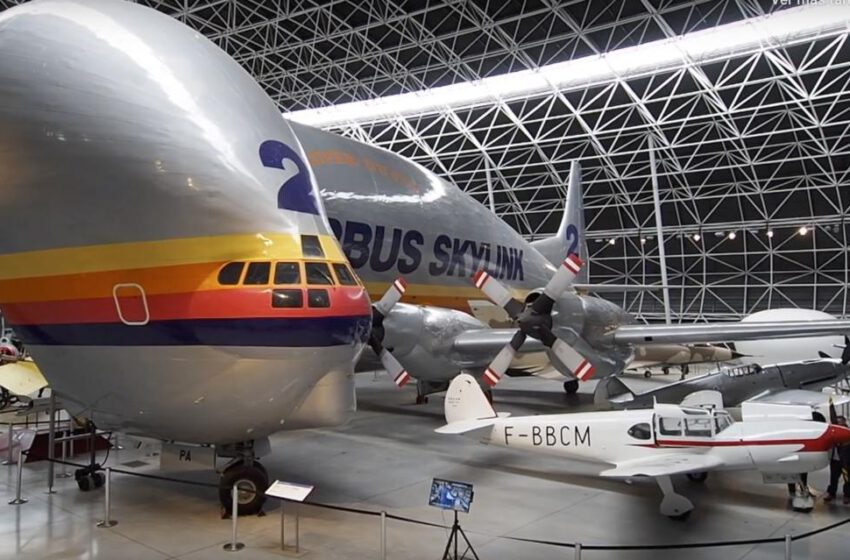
(251, 481)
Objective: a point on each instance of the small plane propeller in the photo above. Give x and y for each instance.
(376, 336)
(534, 321)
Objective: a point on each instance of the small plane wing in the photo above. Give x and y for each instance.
(664, 465)
(725, 332)
(801, 397)
(22, 377)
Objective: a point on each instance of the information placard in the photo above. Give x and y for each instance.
(289, 490)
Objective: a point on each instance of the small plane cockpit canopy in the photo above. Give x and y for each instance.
(691, 423)
(749, 369)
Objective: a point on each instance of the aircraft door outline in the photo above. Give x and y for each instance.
(144, 300)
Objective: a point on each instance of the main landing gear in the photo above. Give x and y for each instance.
(571, 386)
(673, 505)
(251, 480)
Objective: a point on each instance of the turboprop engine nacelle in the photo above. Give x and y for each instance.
(581, 321)
(421, 338)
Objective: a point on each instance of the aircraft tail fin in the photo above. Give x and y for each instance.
(570, 237)
(466, 407)
(611, 392)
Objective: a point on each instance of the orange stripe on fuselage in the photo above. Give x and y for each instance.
(237, 303)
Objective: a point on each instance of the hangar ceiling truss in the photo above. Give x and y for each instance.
(748, 142)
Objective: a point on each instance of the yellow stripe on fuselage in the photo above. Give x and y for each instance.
(162, 267)
(153, 254)
(453, 297)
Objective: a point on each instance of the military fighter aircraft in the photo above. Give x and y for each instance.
(396, 219)
(794, 383)
(169, 265)
(660, 442)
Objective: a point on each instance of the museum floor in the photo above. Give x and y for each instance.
(384, 459)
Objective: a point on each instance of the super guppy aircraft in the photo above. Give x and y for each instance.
(164, 253)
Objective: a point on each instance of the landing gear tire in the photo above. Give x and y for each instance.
(698, 477)
(665, 370)
(647, 374)
(571, 386)
(421, 399)
(681, 517)
(88, 480)
(251, 483)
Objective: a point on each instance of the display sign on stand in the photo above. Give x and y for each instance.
(289, 492)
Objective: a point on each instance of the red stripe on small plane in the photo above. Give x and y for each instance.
(821, 443)
(491, 377)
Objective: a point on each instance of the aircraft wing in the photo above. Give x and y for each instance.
(800, 397)
(487, 341)
(22, 377)
(664, 465)
(725, 332)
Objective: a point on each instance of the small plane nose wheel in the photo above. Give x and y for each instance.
(698, 477)
(571, 386)
(251, 483)
(647, 374)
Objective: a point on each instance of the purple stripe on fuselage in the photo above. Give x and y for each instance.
(274, 332)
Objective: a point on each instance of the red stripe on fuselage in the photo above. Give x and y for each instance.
(235, 303)
(820, 443)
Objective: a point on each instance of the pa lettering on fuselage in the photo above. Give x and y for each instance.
(385, 248)
(547, 435)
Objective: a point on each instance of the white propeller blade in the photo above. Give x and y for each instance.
(497, 292)
(499, 365)
(394, 368)
(391, 296)
(581, 368)
(565, 275)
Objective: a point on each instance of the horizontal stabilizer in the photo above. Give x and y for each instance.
(465, 426)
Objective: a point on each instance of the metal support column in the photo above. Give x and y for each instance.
(659, 229)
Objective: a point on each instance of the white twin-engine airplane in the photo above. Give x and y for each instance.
(658, 442)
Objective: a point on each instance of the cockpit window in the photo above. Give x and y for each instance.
(230, 273)
(640, 431)
(670, 426)
(345, 277)
(318, 298)
(258, 273)
(318, 273)
(722, 420)
(311, 247)
(287, 273)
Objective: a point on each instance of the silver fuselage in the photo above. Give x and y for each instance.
(136, 160)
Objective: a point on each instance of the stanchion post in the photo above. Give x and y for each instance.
(233, 545)
(51, 442)
(107, 506)
(297, 515)
(578, 551)
(282, 520)
(787, 547)
(18, 499)
(9, 459)
(383, 535)
(64, 473)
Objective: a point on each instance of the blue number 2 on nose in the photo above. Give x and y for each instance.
(296, 192)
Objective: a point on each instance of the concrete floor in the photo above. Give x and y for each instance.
(385, 459)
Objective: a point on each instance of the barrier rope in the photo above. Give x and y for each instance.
(560, 544)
